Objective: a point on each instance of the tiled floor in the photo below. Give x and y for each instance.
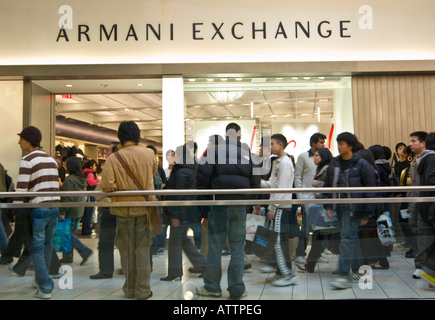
(395, 283)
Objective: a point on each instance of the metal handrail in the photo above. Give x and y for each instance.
(213, 192)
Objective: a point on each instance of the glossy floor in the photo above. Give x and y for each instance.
(394, 283)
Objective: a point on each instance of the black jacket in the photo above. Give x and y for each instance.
(426, 171)
(360, 174)
(182, 177)
(228, 166)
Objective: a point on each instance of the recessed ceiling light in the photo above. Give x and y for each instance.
(224, 79)
(192, 80)
(239, 79)
(209, 79)
(68, 85)
(139, 84)
(279, 78)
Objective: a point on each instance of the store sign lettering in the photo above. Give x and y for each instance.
(220, 31)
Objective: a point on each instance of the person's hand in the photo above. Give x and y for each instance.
(363, 222)
(175, 222)
(270, 215)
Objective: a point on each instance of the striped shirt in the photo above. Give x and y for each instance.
(38, 172)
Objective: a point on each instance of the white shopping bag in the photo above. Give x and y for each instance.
(252, 222)
(404, 213)
(385, 229)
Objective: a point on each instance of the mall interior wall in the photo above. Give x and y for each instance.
(387, 108)
(11, 123)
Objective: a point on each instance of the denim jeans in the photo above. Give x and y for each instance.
(81, 248)
(3, 236)
(350, 251)
(226, 221)
(41, 249)
(87, 217)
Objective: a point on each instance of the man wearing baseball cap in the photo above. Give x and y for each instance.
(38, 173)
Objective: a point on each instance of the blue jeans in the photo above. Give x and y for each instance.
(41, 249)
(3, 236)
(226, 221)
(350, 251)
(81, 248)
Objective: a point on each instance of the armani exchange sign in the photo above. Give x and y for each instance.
(200, 31)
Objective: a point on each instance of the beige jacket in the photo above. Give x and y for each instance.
(142, 163)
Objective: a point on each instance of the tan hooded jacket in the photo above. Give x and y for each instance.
(142, 163)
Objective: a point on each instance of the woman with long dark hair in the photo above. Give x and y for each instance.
(181, 217)
(74, 182)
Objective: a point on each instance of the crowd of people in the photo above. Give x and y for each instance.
(138, 232)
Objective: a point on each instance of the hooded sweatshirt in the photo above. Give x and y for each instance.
(73, 183)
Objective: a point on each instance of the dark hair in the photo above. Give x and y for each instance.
(73, 165)
(399, 145)
(234, 126)
(349, 138)
(150, 146)
(280, 139)
(316, 137)
(189, 144)
(421, 135)
(359, 146)
(184, 156)
(326, 157)
(408, 151)
(114, 146)
(387, 152)
(367, 155)
(215, 139)
(89, 164)
(128, 131)
(430, 141)
(378, 152)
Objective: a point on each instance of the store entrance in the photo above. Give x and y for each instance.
(294, 106)
(88, 112)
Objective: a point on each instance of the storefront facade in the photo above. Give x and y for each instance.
(378, 53)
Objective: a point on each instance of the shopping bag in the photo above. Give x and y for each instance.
(404, 213)
(62, 236)
(252, 222)
(264, 242)
(385, 229)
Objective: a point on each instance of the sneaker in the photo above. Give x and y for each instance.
(417, 274)
(428, 278)
(341, 283)
(286, 280)
(322, 260)
(40, 295)
(244, 295)
(354, 277)
(267, 269)
(202, 291)
(273, 278)
(328, 252)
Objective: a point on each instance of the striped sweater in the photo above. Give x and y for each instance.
(38, 172)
